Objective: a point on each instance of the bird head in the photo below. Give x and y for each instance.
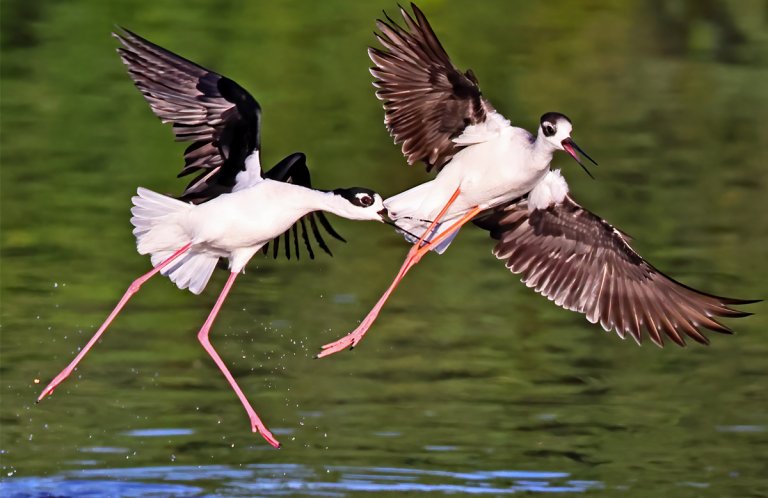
(555, 129)
(364, 204)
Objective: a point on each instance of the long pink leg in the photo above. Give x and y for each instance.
(414, 256)
(202, 336)
(132, 289)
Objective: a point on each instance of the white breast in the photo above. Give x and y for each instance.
(497, 165)
(552, 189)
(494, 171)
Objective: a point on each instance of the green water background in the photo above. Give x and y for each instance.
(466, 370)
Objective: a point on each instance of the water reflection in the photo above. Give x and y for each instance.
(282, 480)
(159, 432)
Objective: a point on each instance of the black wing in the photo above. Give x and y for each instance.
(293, 169)
(584, 264)
(427, 101)
(217, 115)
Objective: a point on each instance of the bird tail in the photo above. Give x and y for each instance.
(159, 234)
(408, 208)
(412, 230)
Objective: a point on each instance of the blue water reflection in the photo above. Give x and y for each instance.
(159, 432)
(287, 479)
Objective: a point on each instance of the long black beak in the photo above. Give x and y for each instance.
(574, 150)
(385, 218)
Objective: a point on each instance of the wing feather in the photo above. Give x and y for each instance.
(220, 117)
(584, 264)
(427, 101)
(293, 169)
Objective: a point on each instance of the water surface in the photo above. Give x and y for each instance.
(469, 383)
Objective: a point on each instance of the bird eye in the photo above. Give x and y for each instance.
(365, 200)
(549, 130)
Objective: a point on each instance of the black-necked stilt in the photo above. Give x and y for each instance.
(230, 210)
(499, 176)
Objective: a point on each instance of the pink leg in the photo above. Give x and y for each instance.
(132, 289)
(414, 256)
(353, 338)
(202, 336)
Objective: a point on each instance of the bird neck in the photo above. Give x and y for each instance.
(541, 153)
(318, 200)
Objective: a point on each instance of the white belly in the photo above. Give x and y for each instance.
(487, 174)
(245, 219)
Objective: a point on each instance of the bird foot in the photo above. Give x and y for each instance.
(54, 384)
(348, 341)
(258, 426)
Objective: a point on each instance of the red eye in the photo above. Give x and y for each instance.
(366, 200)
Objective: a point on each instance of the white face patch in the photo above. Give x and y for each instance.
(358, 206)
(564, 129)
(364, 199)
(556, 132)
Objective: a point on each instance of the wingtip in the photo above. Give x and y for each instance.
(123, 34)
(676, 337)
(389, 23)
(741, 301)
(738, 314)
(657, 339)
(719, 328)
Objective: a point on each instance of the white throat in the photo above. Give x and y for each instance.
(542, 152)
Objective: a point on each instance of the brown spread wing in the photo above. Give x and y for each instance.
(427, 101)
(584, 264)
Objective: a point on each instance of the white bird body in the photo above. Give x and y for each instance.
(498, 177)
(499, 163)
(252, 217)
(231, 209)
(233, 226)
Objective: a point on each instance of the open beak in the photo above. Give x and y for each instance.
(574, 150)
